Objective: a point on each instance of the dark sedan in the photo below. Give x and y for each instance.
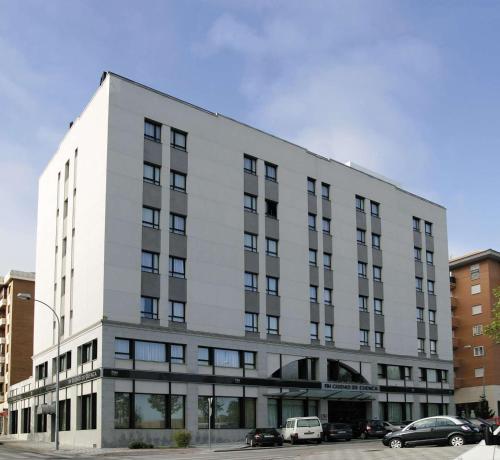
(445, 429)
(264, 437)
(337, 432)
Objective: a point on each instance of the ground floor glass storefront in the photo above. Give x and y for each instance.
(278, 410)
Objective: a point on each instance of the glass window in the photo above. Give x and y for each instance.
(361, 269)
(430, 287)
(311, 186)
(177, 181)
(177, 224)
(419, 283)
(313, 293)
(433, 346)
(150, 351)
(417, 252)
(177, 311)
(272, 285)
(393, 373)
(178, 139)
(271, 247)
(478, 351)
(227, 412)
(272, 325)
(376, 241)
(314, 330)
(379, 339)
(152, 130)
(271, 171)
(251, 322)
(122, 410)
(313, 257)
(177, 267)
(250, 164)
(249, 357)
(149, 307)
(360, 236)
(150, 217)
(327, 260)
(375, 208)
(203, 356)
(475, 289)
(250, 412)
(311, 221)
(271, 209)
(479, 372)
(226, 358)
(475, 272)
(122, 349)
(88, 412)
(429, 257)
(377, 273)
(477, 309)
(378, 306)
(421, 345)
(325, 191)
(428, 228)
(250, 242)
(416, 224)
(203, 405)
(250, 281)
(360, 203)
(363, 303)
(327, 296)
(477, 329)
(326, 225)
(250, 202)
(363, 337)
(150, 262)
(150, 411)
(420, 314)
(177, 354)
(328, 333)
(177, 412)
(432, 317)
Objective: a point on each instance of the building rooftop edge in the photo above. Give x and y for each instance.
(474, 256)
(17, 275)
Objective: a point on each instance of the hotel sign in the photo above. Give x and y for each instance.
(339, 386)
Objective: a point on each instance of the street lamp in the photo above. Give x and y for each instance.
(27, 296)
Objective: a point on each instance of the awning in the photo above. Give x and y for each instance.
(337, 395)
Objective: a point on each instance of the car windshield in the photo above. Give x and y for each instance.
(461, 420)
(377, 424)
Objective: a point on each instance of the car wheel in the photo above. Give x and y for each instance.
(457, 440)
(396, 443)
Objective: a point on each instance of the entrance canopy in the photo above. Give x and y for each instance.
(338, 395)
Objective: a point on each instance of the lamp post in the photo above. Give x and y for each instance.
(27, 296)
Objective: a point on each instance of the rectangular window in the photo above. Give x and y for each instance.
(363, 303)
(326, 225)
(251, 322)
(475, 289)
(177, 267)
(177, 354)
(375, 208)
(378, 306)
(150, 411)
(416, 224)
(313, 257)
(478, 351)
(149, 307)
(360, 236)
(432, 317)
(421, 345)
(150, 262)
(328, 333)
(250, 164)
(250, 202)
(477, 329)
(377, 273)
(420, 314)
(429, 256)
(250, 281)
(311, 186)
(272, 209)
(325, 191)
(26, 420)
(122, 349)
(177, 181)
(178, 139)
(177, 224)
(152, 130)
(363, 337)
(433, 346)
(311, 221)
(327, 296)
(150, 217)
(428, 228)
(314, 330)
(430, 287)
(151, 174)
(362, 269)
(313, 293)
(271, 171)
(122, 410)
(249, 359)
(474, 272)
(226, 358)
(272, 285)
(41, 423)
(419, 283)
(327, 261)
(87, 352)
(479, 372)
(65, 415)
(477, 309)
(88, 411)
(177, 311)
(272, 325)
(360, 203)
(376, 241)
(204, 356)
(379, 339)
(417, 253)
(250, 242)
(150, 351)
(271, 247)
(41, 371)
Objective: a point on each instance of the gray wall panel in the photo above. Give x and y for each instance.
(328, 278)
(312, 203)
(252, 262)
(431, 300)
(433, 332)
(151, 239)
(329, 314)
(429, 243)
(177, 289)
(378, 290)
(150, 284)
(420, 299)
(252, 302)
(178, 202)
(363, 286)
(314, 276)
(314, 308)
(431, 272)
(419, 269)
(273, 266)
(376, 225)
(313, 239)
(326, 208)
(251, 223)
(151, 195)
(152, 152)
(364, 320)
(178, 160)
(362, 253)
(417, 239)
(379, 324)
(272, 190)
(360, 220)
(327, 243)
(251, 184)
(377, 257)
(272, 228)
(273, 305)
(421, 330)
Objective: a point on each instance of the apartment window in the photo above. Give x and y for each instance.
(64, 363)
(475, 289)
(151, 174)
(360, 236)
(377, 273)
(177, 354)
(178, 139)
(433, 346)
(249, 359)
(122, 349)
(478, 351)
(429, 256)
(271, 172)
(313, 293)
(417, 253)
(313, 258)
(363, 303)
(311, 186)
(474, 272)
(432, 317)
(379, 339)
(272, 285)
(311, 220)
(477, 329)
(327, 296)
(314, 330)
(88, 412)
(360, 203)
(250, 242)
(477, 309)
(420, 314)
(479, 372)
(65, 209)
(177, 181)
(150, 217)
(326, 225)
(271, 247)
(362, 268)
(375, 208)
(177, 224)
(378, 306)
(325, 191)
(150, 351)
(177, 311)
(428, 228)
(272, 325)
(41, 371)
(226, 358)
(421, 345)
(204, 356)
(249, 164)
(64, 246)
(250, 202)
(416, 224)
(152, 130)
(419, 283)
(177, 267)
(327, 261)
(65, 415)
(430, 287)
(328, 333)
(250, 281)
(150, 262)
(376, 241)
(272, 209)
(41, 423)
(363, 337)
(251, 322)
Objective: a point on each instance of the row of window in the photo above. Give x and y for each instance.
(250, 244)
(377, 304)
(313, 259)
(364, 335)
(417, 226)
(361, 238)
(250, 205)
(374, 206)
(432, 346)
(326, 223)
(150, 263)
(311, 188)
(362, 271)
(149, 309)
(151, 219)
(420, 315)
(152, 131)
(250, 167)
(429, 255)
(431, 285)
(149, 351)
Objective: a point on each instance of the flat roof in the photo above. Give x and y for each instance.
(474, 257)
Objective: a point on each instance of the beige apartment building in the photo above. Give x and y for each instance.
(16, 335)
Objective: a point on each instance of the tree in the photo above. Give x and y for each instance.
(484, 410)
(492, 330)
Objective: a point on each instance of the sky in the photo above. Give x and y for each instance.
(409, 89)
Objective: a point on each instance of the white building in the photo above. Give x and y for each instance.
(190, 256)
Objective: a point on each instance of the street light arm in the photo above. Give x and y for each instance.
(51, 309)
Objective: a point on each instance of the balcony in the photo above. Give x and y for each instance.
(455, 322)
(453, 302)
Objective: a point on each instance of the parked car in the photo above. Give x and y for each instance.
(389, 426)
(369, 429)
(489, 448)
(481, 422)
(264, 437)
(405, 423)
(451, 430)
(302, 429)
(337, 431)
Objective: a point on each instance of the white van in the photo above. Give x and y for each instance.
(302, 429)
(487, 449)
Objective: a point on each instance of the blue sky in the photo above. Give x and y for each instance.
(410, 89)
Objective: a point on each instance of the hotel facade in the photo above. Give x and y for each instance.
(195, 259)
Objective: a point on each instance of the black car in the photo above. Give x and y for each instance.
(264, 437)
(337, 431)
(369, 429)
(445, 429)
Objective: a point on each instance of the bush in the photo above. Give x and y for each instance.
(182, 438)
(140, 445)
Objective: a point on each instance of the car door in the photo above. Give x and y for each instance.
(443, 428)
(420, 432)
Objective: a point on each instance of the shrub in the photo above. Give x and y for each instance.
(182, 438)
(140, 445)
